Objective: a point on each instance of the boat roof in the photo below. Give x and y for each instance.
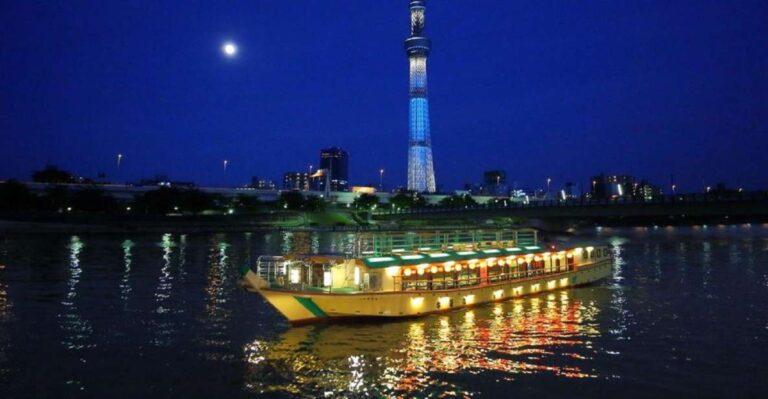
(376, 262)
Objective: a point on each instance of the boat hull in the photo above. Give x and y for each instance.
(301, 307)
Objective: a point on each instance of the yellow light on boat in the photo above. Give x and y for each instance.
(444, 301)
(535, 287)
(570, 255)
(357, 276)
(417, 301)
(471, 266)
(447, 268)
(468, 299)
(537, 258)
(420, 270)
(458, 268)
(551, 285)
(407, 272)
(517, 291)
(449, 263)
(295, 276)
(392, 271)
(520, 261)
(483, 264)
(577, 251)
(590, 249)
(529, 257)
(502, 262)
(490, 260)
(564, 282)
(327, 279)
(433, 269)
(545, 254)
(498, 294)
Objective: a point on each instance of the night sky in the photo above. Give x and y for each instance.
(559, 89)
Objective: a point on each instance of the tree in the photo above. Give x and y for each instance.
(52, 174)
(458, 200)
(408, 200)
(15, 196)
(365, 201)
(292, 200)
(246, 203)
(56, 198)
(93, 200)
(167, 200)
(314, 203)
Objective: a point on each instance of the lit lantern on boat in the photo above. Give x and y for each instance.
(483, 264)
(570, 255)
(501, 262)
(537, 258)
(458, 268)
(407, 272)
(447, 267)
(520, 261)
(472, 266)
(433, 269)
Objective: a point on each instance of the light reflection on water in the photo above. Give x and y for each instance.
(550, 334)
(167, 308)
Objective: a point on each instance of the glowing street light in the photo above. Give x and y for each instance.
(226, 162)
(381, 179)
(119, 160)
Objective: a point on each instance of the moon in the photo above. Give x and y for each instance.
(229, 49)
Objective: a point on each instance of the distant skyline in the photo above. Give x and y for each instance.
(539, 89)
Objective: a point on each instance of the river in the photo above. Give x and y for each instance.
(135, 315)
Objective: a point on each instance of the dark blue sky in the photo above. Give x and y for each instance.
(539, 88)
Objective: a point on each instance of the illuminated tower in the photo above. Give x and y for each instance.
(421, 173)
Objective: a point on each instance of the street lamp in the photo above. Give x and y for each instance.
(674, 186)
(381, 179)
(226, 162)
(119, 160)
(549, 180)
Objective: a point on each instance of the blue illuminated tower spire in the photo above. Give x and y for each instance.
(421, 173)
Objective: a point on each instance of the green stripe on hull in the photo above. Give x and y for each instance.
(310, 305)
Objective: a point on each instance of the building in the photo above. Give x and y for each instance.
(296, 181)
(335, 163)
(421, 173)
(622, 186)
(261, 184)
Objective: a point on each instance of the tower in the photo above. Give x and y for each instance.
(421, 173)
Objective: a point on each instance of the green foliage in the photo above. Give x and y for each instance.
(245, 203)
(52, 174)
(167, 200)
(408, 200)
(15, 196)
(458, 200)
(93, 200)
(365, 201)
(314, 203)
(291, 200)
(56, 198)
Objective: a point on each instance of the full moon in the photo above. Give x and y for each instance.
(229, 49)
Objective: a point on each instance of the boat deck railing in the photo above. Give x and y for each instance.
(375, 244)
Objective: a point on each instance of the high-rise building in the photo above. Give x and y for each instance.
(335, 162)
(421, 172)
(261, 184)
(296, 181)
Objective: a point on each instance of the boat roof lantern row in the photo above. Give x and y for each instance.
(424, 258)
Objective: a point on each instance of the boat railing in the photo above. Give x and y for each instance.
(385, 243)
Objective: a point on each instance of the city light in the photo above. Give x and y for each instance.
(229, 49)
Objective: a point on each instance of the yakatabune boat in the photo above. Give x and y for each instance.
(412, 274)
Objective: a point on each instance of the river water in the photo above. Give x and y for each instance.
(135, 315)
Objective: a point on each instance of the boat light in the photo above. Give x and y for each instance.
(407, 272)
(458, 268)
(433, 269)
(537, 258)
(295, 276)
(357, 276)
(577, 250)
(532, 247)
(417, 301)
(447, 268)
(498, 294)
(380, 259)
(468, 299)
(564, 282)
(327, 279)
(466, 253)
(551, 285)
(590, 249)
(439, 255)
(501, 262)
(514, 249)
(392, 271)
(535, 287)
(570, 255)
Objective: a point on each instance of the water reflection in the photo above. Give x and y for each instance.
(77, 330)
(125, 287)
(540, 335)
